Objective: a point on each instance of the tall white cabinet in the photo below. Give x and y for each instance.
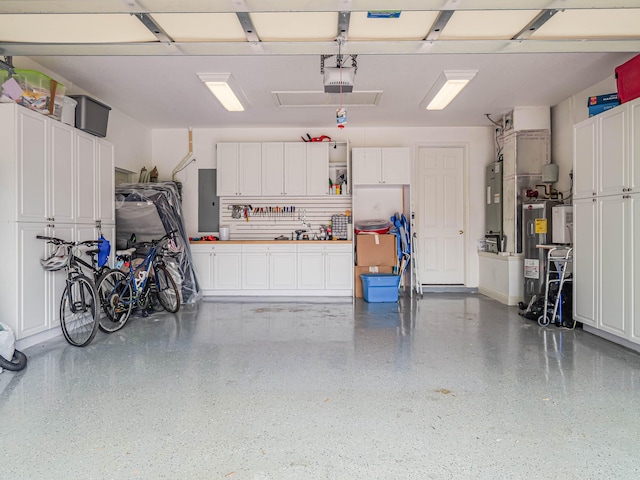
(56, 181)
(607, 222)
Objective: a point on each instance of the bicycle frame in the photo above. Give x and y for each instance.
(139, 276)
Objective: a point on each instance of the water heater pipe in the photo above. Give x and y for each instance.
(186, 157)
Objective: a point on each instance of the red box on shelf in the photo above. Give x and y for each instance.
(628, 79)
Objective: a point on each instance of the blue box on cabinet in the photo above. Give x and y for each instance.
(380, 287)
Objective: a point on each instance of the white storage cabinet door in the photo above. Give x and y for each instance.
(367, 166)
(273, 168)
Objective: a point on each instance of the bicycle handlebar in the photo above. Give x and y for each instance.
(153, 243)
(59, 241)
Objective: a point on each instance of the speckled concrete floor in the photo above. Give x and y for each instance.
(448, 386)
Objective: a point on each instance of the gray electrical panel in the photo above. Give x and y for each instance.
(208, 201)
(493, 207)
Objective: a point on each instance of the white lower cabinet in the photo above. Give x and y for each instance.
(325, 267)
(41, 291)
(203, 266)
(585, 274)
(269, 269)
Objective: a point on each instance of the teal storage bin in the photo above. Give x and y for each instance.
(380, 287)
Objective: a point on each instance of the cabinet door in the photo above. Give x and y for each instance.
(585, 261)
(613, 266)
(396, 166)
(272, 169)
(634, 255)
(282, 271)
(295, 168)
(317, 168)
(35, 295)
(255, 271)
(105, 182)
(203, 266)
(250, 169)
(226, 271)
(613, 151)
(62, 177)
(227, 166)
(585, 151)
(367, 166)
(339, 271)
(634, 146)
(86, 178)
(33, 186)
(310, 271)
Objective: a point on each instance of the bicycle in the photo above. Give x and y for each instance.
(79, 305)
(143, 284)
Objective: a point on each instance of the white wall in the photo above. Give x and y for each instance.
(563, 116)
(131, 138)
(169, 147)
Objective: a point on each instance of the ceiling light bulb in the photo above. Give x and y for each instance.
(226, 90)
(446, 94)
(449, 84)
(225, 96)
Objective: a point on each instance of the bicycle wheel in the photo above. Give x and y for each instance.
(168, 293)
(79, 311)
(116, 298)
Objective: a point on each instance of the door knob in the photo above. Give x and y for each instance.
(460, 232)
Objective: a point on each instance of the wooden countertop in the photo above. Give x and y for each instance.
(259, 242)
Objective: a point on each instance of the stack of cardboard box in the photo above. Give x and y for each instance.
(374, 254)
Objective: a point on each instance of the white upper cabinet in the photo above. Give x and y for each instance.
(607, 154)
(284, 168)
(249, 169)
(585, 148)
(32, 164)
(295, 168)
(317, 168)
(396, 166)
(367, 166)
(273, 168)
(375, 166)
(239, 169)
(62, 175)
(613, 151)
(86, 179)
(41, 152)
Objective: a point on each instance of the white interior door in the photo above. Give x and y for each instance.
(440, 213)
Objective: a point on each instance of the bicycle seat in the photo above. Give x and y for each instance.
(125, 253)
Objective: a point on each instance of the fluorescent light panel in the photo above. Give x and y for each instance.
(225, 88)
(449, 84)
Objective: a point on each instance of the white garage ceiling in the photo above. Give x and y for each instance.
(142, 57)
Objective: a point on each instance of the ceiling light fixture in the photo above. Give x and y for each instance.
(449, 84)
(226, 89)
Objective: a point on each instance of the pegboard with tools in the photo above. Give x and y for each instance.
(257, 219)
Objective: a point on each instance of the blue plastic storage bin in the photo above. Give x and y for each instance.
(380, 287)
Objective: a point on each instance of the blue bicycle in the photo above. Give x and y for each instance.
(146, 284)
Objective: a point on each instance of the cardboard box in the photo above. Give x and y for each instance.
(357, 281)
(603, 107)
(376, 250)
(600, 99)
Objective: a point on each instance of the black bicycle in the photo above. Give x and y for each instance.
(147, 283)
(79, 305)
